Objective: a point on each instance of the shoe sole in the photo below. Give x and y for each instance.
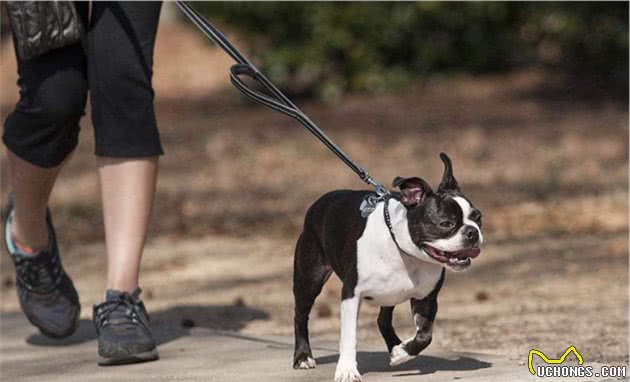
(151, 355)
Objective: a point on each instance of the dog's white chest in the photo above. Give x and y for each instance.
(386, 284)
(385, 276)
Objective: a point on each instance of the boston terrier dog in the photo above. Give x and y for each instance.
(398, 253)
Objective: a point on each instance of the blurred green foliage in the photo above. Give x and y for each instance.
(327, 48)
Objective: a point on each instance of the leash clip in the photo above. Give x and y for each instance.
(368, 205)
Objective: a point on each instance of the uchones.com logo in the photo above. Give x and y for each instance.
(564, 367)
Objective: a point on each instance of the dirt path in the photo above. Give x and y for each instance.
(200, 354)
(502, 305)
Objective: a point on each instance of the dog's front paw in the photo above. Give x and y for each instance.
(399, 355)
(347, 374)
(306, 363)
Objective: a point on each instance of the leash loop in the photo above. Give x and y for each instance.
(273, 103)
(277, 101)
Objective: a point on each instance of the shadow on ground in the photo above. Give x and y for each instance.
(378, 362)
(171, 324)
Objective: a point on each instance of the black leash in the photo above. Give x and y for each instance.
(279, 102)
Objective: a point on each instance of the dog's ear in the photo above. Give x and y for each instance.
(413, 190)
(448, 183)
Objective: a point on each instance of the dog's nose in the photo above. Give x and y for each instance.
(472, 234)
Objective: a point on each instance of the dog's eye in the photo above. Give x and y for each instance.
(447, 224)
(476, 217)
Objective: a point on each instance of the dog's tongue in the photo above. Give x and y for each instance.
(473, 252)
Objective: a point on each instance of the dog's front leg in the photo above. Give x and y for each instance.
(424, 312)
(347, 365)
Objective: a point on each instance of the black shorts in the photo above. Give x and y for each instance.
(115, 63)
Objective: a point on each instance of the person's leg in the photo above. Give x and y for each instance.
(30, 186)
(120, 61)
(127, 188)
(39, 135)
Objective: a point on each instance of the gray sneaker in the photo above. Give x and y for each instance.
(122, 325)
(46, 293)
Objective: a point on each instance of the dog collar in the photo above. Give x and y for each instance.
(388, 223)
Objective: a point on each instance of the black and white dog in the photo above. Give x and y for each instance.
(398, 253)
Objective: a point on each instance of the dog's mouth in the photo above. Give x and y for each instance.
(457, 259)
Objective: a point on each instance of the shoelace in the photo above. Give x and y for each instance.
(41, 273)
(122, 310)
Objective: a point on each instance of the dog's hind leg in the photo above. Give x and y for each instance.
(385, 326)
(310, 273)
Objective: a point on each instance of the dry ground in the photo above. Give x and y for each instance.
(544, 158)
